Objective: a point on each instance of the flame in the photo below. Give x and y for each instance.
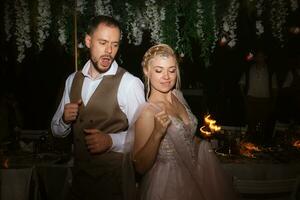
(205, 132)
(5, 163)
(250, 146)
(296, 144)
(247, 149)
(211, 124)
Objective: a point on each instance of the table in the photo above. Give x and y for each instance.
(261, 178)
(47, 180)
(35, 178)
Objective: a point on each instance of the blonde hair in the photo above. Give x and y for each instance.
(158, 50)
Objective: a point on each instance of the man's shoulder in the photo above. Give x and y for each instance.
(131, 83)
(71, 77)
(128, 77)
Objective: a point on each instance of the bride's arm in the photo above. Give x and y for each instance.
(150, 129)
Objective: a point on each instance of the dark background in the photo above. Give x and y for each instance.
(37, 83)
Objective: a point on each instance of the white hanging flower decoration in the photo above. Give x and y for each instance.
(259, 10)
(199, 23)
(154, 17)
(62, 32)
(7, 20)
(230, 24)
(278, 19)
(232, 43)
(294, 5)
(43, 22)
(134, 25)
(103, 7)
(22, 33)
(80, 45)
(179, 39)
(81, 6)
(259, 27)
(215, 30)
(62, 37)
(225, 26)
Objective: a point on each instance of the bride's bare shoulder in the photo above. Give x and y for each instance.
(148, 111)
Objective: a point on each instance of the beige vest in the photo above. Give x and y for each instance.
(101, 112)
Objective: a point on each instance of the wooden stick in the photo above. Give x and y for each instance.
(75, 36)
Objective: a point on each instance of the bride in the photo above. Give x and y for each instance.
(161, 142)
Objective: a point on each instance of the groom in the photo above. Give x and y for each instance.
(97, 106)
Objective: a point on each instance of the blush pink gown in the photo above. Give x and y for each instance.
(185, 170)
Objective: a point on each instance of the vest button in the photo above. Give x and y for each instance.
(91, 121)
(80, 120)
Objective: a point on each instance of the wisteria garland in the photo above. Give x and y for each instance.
(199, 23)
(154, 17)
(170, 26)
(230, 24)
(206, 28)
(103, 7)
(43, 22)
(214, 27)
(81, 6)
(62, 38)
(22, 28)
(7, 20)
(278, 19)
(294, 5)
(134, 25)
(258, 24)
(62, 31)
(179, 40)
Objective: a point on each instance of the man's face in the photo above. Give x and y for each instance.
(103, 45)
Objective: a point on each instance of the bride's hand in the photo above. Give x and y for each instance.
(161, 123)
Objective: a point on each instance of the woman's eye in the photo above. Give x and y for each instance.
(158, 71)
(172, 70)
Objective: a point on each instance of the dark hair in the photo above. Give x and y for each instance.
(102, 19)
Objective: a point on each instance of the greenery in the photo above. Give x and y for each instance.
(183, 24)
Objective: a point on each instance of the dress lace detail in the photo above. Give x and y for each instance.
(167, 151)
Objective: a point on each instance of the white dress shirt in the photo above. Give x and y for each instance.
(259, 82)
(130, 96)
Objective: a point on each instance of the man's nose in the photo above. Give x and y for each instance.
(108, 49)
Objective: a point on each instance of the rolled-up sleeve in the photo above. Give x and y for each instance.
(58, 127)
(130, 97)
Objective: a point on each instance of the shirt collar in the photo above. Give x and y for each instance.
(112, 70)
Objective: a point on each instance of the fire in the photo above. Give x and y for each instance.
(204, 131)
(297, 144)
(247, 149)
(250, 146)
(210, 124)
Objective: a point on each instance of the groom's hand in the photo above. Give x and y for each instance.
(97, 141)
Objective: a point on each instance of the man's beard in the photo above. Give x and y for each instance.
(96, 64)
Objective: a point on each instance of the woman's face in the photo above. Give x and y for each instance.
(162, 73)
